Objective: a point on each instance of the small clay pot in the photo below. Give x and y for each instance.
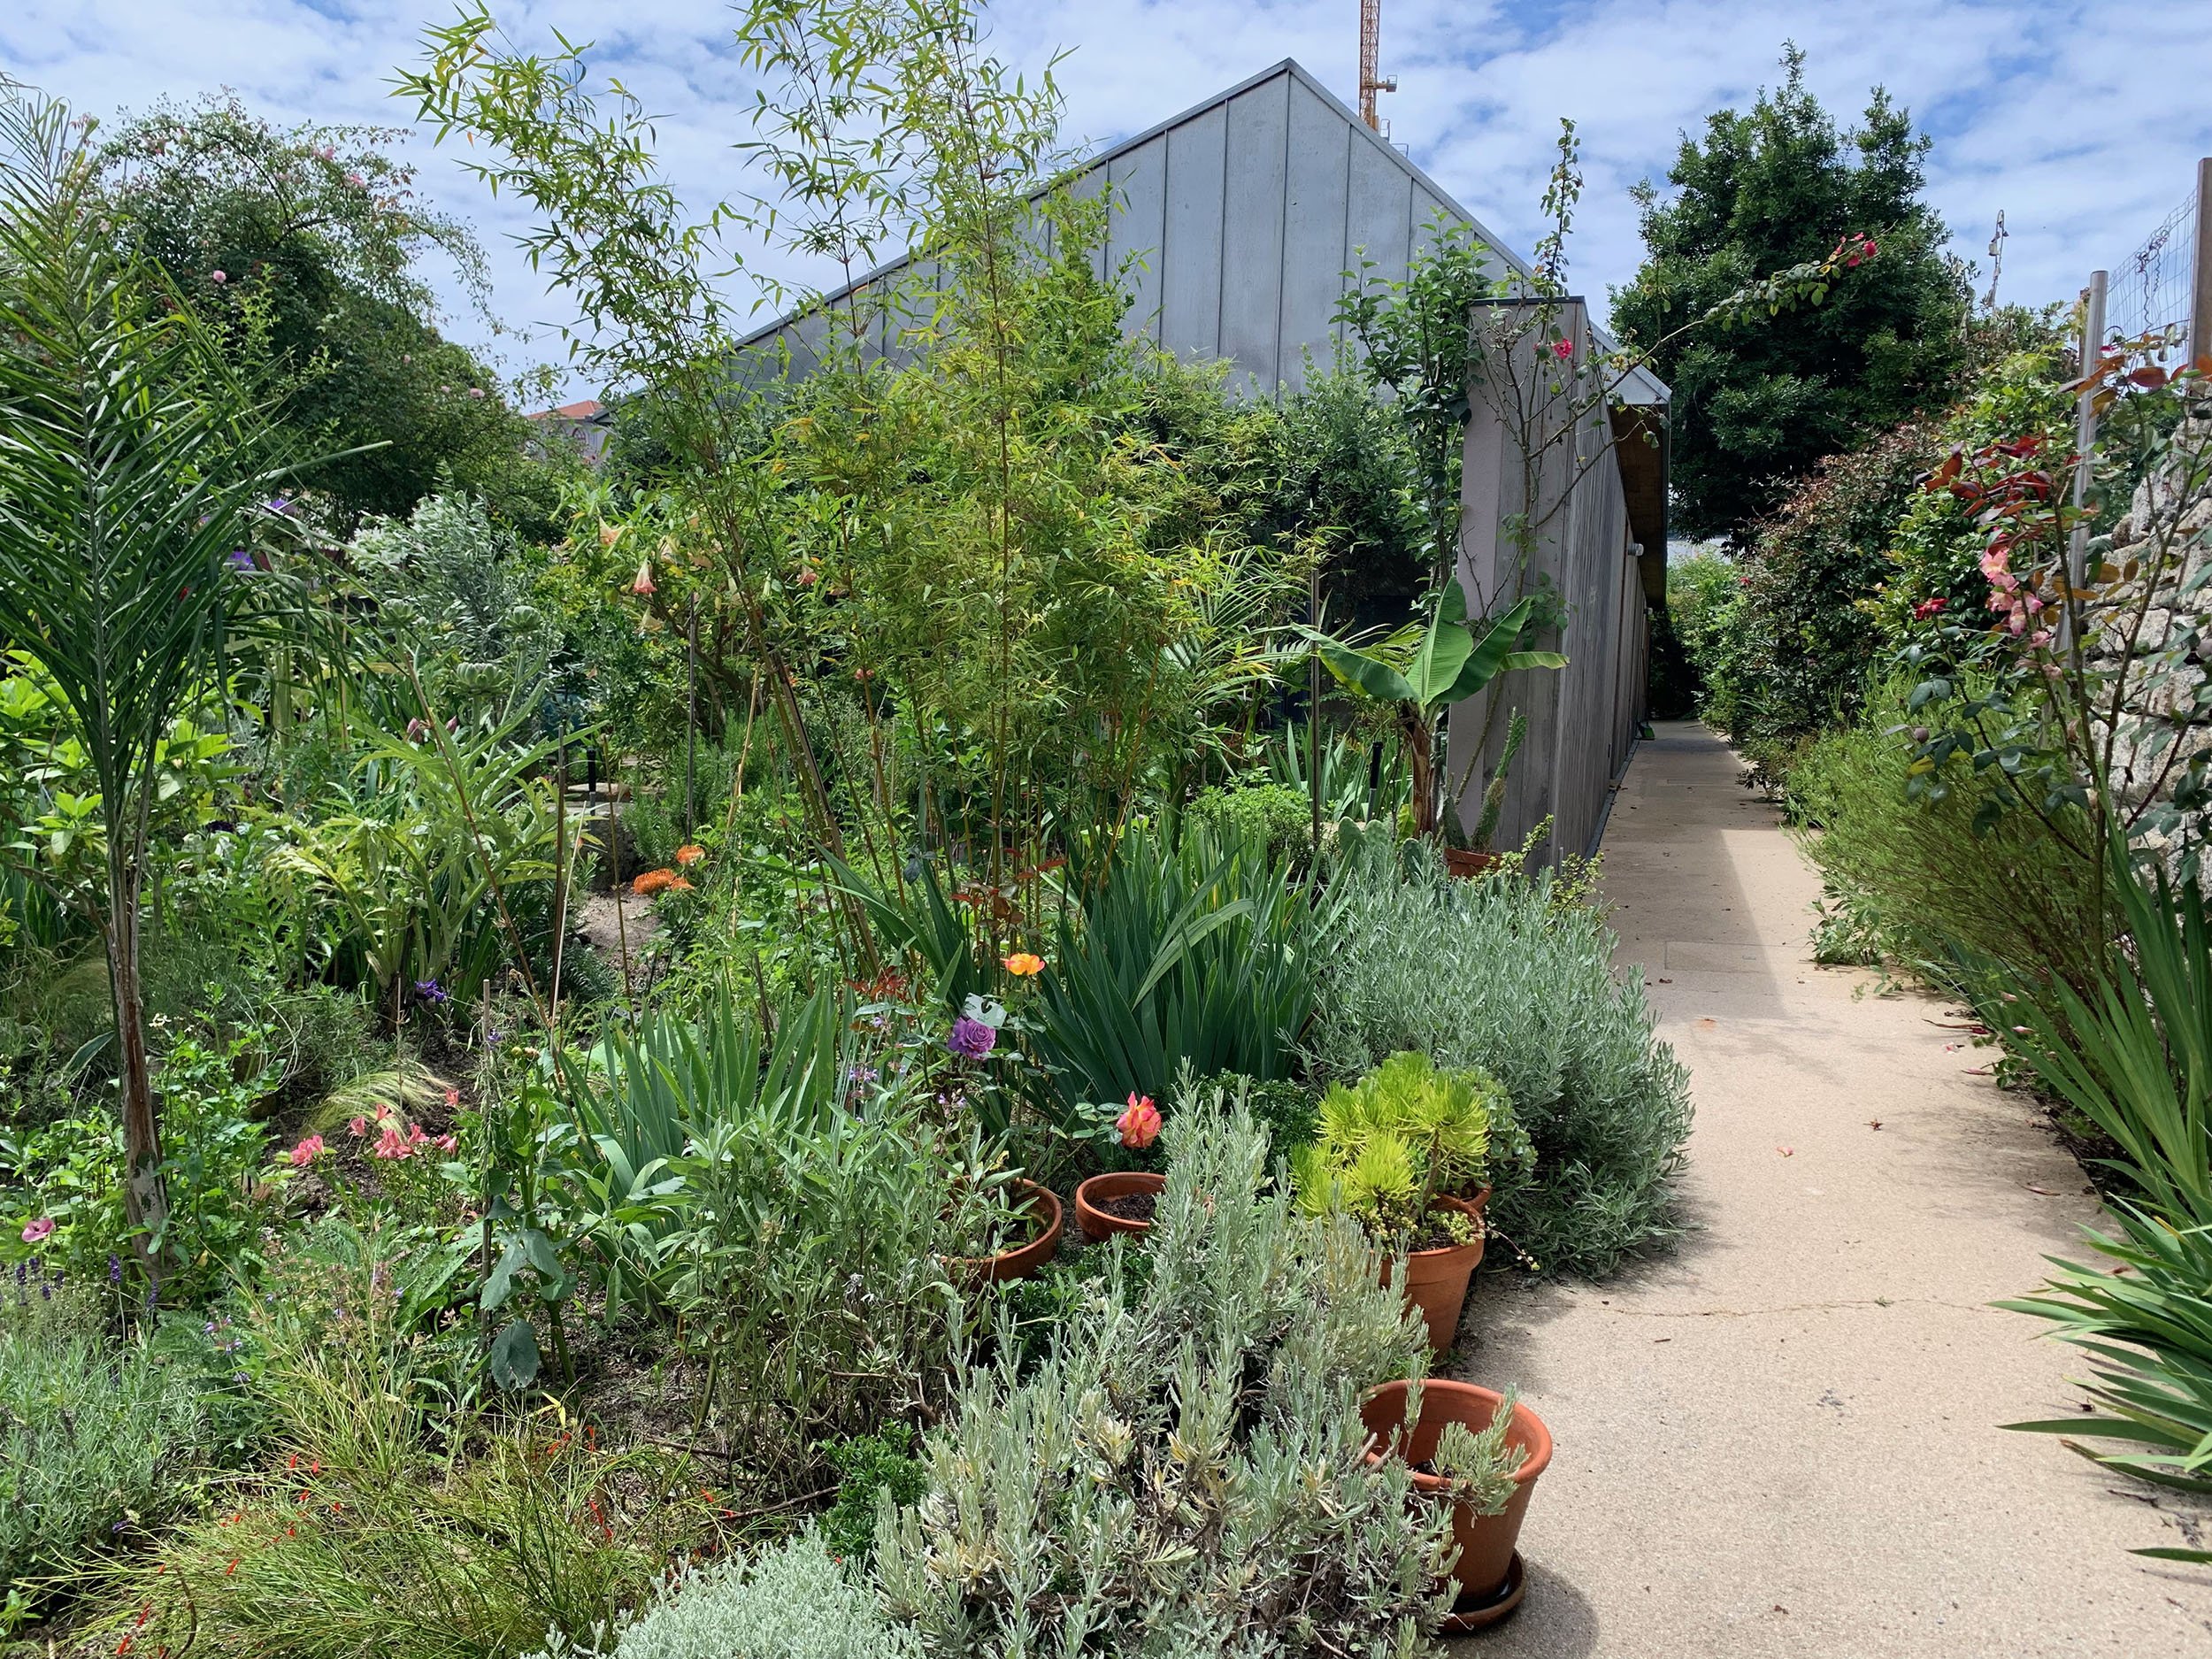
(1043, 1245)
(1436, 1280)
(1100, 1224)
(1467, 865)
(1486, 1541)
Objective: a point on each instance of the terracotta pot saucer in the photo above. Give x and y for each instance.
(1472, 1613)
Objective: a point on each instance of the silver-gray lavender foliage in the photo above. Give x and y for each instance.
(1495, 973)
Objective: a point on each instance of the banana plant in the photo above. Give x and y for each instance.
(1425, 667)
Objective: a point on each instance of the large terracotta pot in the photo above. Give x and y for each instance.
(1466, 865)
(1486, 1541)
(1099, 1224)
(1044, 1242)
(1436, 1280)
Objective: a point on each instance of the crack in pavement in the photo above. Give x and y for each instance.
(1800, 1307)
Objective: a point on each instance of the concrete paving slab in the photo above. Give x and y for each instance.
(1781, 1438)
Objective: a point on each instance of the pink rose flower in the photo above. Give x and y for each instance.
(1139, 1124)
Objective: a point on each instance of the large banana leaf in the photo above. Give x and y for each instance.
(1439, 662)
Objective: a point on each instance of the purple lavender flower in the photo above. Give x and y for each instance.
(972, 1038)
(115, 1270)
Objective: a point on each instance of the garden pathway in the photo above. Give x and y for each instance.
(1780, 1439)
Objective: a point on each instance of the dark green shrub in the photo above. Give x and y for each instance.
(1921, 882)
(868, 1466)
(1274, 815)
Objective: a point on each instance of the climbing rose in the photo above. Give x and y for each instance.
(1139, 1123)
(38, 1231)
(1562, 348)
(305, 1153)
(971, 1038)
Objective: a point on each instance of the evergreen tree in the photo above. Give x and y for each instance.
(1754, 408)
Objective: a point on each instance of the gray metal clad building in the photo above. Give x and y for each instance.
(1244, 215)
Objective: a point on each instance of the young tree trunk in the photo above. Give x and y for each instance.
(145, 1201)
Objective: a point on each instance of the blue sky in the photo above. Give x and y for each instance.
(2082, 121)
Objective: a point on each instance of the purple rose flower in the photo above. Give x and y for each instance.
(972, 1038)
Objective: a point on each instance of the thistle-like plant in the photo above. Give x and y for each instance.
(1389, 1144)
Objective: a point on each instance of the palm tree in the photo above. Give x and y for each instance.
(133, 462)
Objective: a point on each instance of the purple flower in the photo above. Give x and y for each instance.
(971, 1038)
(241, 559)
(433, 992)
(115, 1270)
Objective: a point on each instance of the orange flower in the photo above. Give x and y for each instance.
(1023, 965)
(690, 852)
(655, 881)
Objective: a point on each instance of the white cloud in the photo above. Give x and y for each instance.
(2051, 111)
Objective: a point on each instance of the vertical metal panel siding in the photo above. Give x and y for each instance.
(1254, 168)
(1190, 251)
(1137, 229)
(1379, 217)
(1315, 254)
(1580, 718)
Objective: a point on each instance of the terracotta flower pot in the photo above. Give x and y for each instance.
(1044, 1242)
(1101, 1224)
(1466, 865)
(1486, 1541)
(1436, 1280)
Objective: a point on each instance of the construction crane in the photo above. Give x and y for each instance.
(1372, 80)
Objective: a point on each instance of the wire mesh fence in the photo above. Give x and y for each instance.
(2152, 291)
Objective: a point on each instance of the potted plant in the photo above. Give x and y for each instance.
(1405, 1150)
(1481, 1452)
(1122, 1200)
(1035, 1208)
(1002, 1226)
(1475, 858)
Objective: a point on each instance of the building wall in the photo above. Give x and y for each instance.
(1582, 719)
(1234, 224)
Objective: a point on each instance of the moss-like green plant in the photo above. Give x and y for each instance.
(1389, 1144)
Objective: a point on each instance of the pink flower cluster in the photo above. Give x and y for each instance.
(1853, 250)
(2015, 601)
(395, 1138)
